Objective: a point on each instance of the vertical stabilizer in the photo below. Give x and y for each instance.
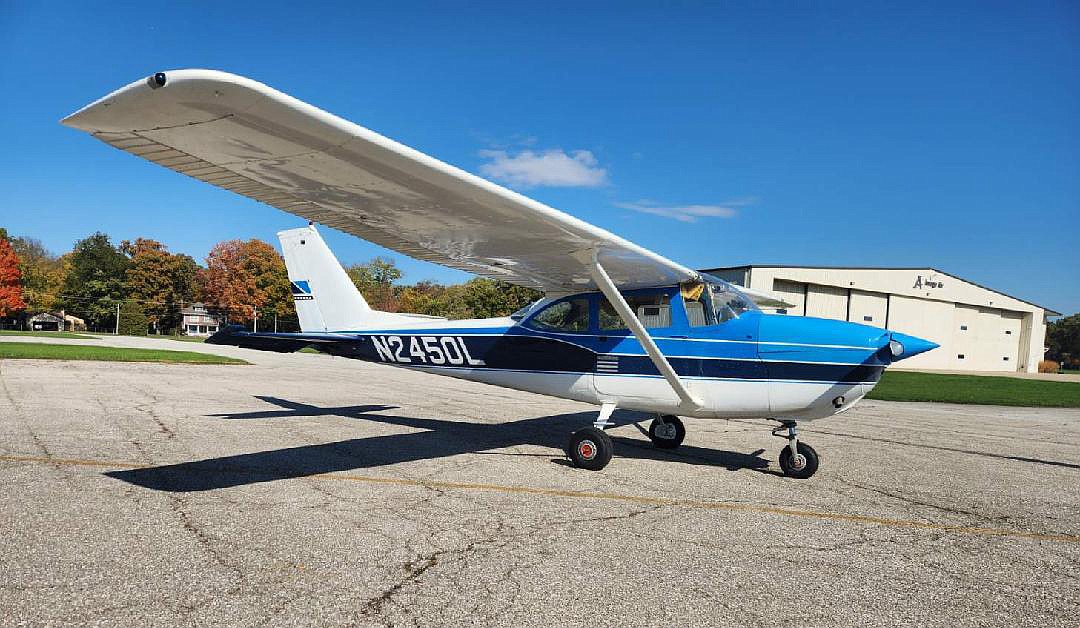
(325, 297)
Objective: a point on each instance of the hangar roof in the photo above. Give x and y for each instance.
(1046, 310)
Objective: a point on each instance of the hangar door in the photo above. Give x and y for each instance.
(793, 293)
(826, 302)
(868, 308)
(929, 319)
(987, 339)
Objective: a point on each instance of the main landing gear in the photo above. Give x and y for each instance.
(591, 448)
(797, 459)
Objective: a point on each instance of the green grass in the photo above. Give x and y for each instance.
(181, 338)
(45, 334)
(978, 389)
(40, 351)
(1070, 371)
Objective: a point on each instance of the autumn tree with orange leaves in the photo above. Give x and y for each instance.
(11, 296)
(241, 276)
(159, 281)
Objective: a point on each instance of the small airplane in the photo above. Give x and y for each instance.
(620, 326)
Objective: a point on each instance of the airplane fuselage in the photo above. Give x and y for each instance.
(757, 365)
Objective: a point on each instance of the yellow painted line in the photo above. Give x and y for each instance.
(72, 462)
(636, 499)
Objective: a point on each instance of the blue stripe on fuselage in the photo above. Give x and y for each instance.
(737, 353)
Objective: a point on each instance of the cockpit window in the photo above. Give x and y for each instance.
(715, 302)
(569, 315)
(653, 310)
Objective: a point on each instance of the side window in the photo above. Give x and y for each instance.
(653, 310)
(697, 313)
(569, 315)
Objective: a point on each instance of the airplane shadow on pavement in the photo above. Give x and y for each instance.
(438, 438)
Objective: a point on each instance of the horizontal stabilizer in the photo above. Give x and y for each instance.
(237, 336)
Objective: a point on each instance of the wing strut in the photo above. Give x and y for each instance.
(603, 281)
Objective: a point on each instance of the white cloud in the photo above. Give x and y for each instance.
(553, 167)
(688, 213)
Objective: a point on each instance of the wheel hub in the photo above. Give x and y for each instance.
(666, 431)
(587, 449)
(798, 462)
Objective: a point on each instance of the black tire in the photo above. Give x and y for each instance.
(809, 467)
(669, 442)
(590, 448)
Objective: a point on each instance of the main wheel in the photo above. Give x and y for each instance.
(802, 466)
(669, 434)
(590, 448)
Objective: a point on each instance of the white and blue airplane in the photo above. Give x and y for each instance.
(620, 326)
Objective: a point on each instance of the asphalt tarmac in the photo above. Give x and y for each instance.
(309, 490)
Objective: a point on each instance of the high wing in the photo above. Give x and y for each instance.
(243, 136)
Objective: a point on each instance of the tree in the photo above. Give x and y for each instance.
(434, 299)
(477, 298)
(11, 293)
(241, 276)
(1063, 338)
(160, 281)
(487, 298)
(42, 274)
(94, 282)
(375, 280)
(133, 319)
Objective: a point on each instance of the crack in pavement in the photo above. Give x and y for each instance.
(956, 510)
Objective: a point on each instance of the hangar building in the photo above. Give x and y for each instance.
(979, 329)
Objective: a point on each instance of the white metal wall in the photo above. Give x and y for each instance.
(826, 302)
(793, 293)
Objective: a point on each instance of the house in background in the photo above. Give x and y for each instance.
(46, 321)
(198, 321)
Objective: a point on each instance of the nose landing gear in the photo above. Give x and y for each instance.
(590, 448)
(797, 459)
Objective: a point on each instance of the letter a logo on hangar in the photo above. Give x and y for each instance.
(929, 282)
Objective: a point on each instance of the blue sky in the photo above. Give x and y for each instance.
(942, 134)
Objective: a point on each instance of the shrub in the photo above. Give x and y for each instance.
(1049, 366)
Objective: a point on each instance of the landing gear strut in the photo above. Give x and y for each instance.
(797, 459)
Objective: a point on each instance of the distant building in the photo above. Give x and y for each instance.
(46, 321)
(199, 321)
(979, 329)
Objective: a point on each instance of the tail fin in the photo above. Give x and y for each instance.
(326, 299)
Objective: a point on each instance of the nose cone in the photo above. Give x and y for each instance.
(904, 346)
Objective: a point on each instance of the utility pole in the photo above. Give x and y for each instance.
(275, 322)
(116, 332)
(256, 328)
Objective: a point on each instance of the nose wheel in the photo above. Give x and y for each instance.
(797, 459)
(590, 448)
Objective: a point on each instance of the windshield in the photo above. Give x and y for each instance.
(523, 312)
(724, 300)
